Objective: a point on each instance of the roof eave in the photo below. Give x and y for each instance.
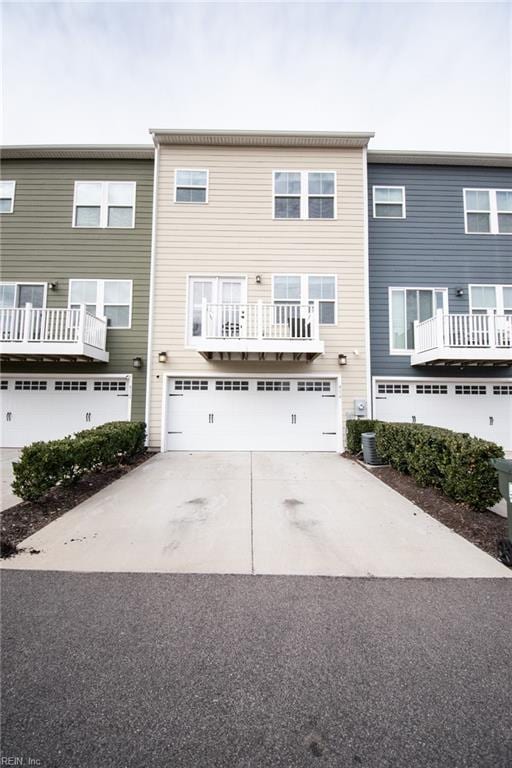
(260, 138)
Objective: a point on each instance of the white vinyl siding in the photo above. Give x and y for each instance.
(304, 194)
(7, 189)
(388, 202)
(109, 298)
(488, 211)
(104, 204)
(191, 186)
(407, 305)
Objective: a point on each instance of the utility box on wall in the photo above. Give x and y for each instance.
(360, 409)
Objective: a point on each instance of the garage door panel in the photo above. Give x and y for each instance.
(252, 414)
(481, 409)
(48, 408)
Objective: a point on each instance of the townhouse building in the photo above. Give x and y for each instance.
(259, 331)
(74, 292)
(440, 262)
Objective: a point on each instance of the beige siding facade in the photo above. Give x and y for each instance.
(235, 234)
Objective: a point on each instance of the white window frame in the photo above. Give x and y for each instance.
(17, 283)
(104, 206)
(500, 304)
(493, 211)
(196, 186)
(403, 203)
(189, 339)
(100, 296)
(395, 351)
(13, 195)
(304, 290)
(304, 194)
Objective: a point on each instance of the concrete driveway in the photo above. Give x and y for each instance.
(7, 497)
(260, 513)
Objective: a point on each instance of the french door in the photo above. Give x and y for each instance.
(225, 295)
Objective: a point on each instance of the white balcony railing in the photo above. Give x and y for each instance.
(456, 337)
(52, 331)
(292, 329)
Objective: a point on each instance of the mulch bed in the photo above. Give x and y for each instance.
(26, 518)
(483, 529)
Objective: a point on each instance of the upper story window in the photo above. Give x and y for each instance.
(14, 295)
(488, 211)
(490, 298)
(304, 194)
(305, 289)
(389, 202)
(101, 204)
(407, 305)
(191, 186)
(7, 196)
(111, 298)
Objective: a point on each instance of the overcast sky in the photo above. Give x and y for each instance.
(433, 76)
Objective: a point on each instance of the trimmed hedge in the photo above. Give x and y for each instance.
(355, 428)
(454, 462)
(44, 465)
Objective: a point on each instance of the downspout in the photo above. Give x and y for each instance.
(149, 357)
(369, 400)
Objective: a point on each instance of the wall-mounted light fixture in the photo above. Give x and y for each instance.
(258, 279)
(162, 357)
(342, 359)
(53, 286)
(459, 291)
(137, 362)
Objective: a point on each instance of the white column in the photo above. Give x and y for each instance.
(27, 320)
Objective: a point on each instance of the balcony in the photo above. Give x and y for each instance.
(260, 332)
(478, 340)
(52, 335)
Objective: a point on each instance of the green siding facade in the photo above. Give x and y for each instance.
(39, 244)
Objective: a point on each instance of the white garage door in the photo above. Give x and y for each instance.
(482, 409)
(267, 414)
(44, 408)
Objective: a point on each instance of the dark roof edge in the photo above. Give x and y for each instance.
(439, 158)
(78, 152)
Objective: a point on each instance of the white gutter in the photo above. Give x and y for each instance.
(147, 410)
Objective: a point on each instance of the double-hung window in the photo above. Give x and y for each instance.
(7, 196)
(112, 298)
(488, 211)
(191, 186)
(104, 204)
(389, 202)
(485, 299)
(407, 305)
(304, 194)
(289, 290)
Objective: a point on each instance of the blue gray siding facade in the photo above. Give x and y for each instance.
(429, 248)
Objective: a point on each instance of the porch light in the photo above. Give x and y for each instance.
(162, 357)
(53, 286)
(137, 362)
(258, 279)
(342, 359)
(459, 291)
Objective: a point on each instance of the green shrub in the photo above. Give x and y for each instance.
(355, 428)
(454, 462)
(43, 465)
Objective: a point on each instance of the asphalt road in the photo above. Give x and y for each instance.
(144, 671)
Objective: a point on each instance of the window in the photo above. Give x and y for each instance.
(18, 294)
(304, 194)
(30, 385)
(407, 305)
(313, 386)
(70, 386)
(272, 385)
(305, 289)
(112, 298)
(7, 196)
(431, 389)
(470, 389)
(191, 384)
(106, 385)
(389, 202)
(393, 389)
(488, 211)
(226, 385)
(191, 186)
(100, 204)
(490, 298)
(502, 389)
